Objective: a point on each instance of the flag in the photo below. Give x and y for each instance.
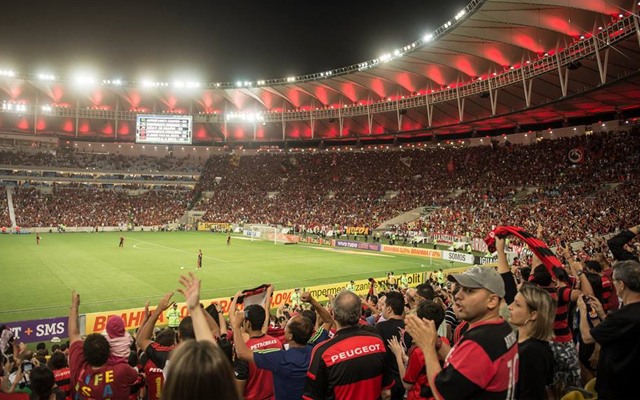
(406, 161)
(576, 156)
(537, 246)
(451, 166)
(257, 295)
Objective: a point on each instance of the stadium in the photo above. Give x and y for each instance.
(466, 201)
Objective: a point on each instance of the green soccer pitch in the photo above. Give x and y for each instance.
(36, 282)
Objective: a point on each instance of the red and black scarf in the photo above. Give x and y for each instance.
(537, 246)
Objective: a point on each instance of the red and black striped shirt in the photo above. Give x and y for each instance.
(482, 365)
(562, 296)
(351, 365)
(62, 377)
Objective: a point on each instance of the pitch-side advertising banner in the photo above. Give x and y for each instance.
(458, 257)
(356, 230)
(358, 245)
(413, 251)
(96, 322)
(39, 330)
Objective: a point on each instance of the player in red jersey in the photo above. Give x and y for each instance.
(38, 239)
(121, 241)
(199, 266)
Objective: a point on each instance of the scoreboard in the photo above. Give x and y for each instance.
(163, 129)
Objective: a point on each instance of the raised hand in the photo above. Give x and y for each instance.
(306, 297)
(423, 332)
(165, 302)
(539, 231)
(191, 290)
(395, 346)
(147, 313)
(75, 299)
(236, 321)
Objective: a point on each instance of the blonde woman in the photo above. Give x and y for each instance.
(533, 312)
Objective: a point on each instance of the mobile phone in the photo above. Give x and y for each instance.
(563, 244)
(26, 366)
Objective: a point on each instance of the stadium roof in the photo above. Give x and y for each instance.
(497, 63)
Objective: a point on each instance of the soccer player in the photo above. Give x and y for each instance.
(199, 260)
(229, 239)
(38, 239)
(121, 241)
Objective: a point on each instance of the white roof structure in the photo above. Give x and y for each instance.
(496, 64)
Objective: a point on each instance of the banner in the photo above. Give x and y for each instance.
(39, 330)
(207, 226)
(358, 245)
(478, 244)
(357, 230)
(414, 251)
(443, 238)
(96, 322)
(458, 257)
(478, 260)
(317, 240)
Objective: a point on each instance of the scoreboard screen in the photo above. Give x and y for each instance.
(163, 129)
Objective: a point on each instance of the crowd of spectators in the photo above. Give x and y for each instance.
(100, 161)
(475, 188)
(5, 220)
(93, 207)
(488, 332)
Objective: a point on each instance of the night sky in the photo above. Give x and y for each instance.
(208, 41)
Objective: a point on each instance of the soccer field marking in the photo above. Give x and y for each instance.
(136, 246)
(353, 252)
(228, 289)
(174, 249)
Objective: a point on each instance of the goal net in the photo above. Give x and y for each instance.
(268, 233)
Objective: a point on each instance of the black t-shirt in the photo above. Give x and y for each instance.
(619, 359)
(387, 330)
(510, 287)
(535, 369)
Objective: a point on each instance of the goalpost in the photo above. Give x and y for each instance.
(268, 233)
(261, 232)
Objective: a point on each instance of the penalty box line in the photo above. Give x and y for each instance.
(173, 248)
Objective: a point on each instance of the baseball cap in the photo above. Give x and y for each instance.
(480, 278)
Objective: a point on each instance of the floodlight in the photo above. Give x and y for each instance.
(427, 38)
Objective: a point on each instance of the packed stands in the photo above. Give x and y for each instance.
(366, 188)
(5, 221)
(89, 206)
(82, 160)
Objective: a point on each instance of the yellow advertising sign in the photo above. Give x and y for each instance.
(414, 251)
(207, 226)
(97, 322)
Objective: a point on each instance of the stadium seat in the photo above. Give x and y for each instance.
(573, 395)
(591, 388)
(14, 396)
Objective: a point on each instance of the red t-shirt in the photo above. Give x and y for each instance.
(259, 384)
(63, 377)
(416, 373)
(107, 382)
